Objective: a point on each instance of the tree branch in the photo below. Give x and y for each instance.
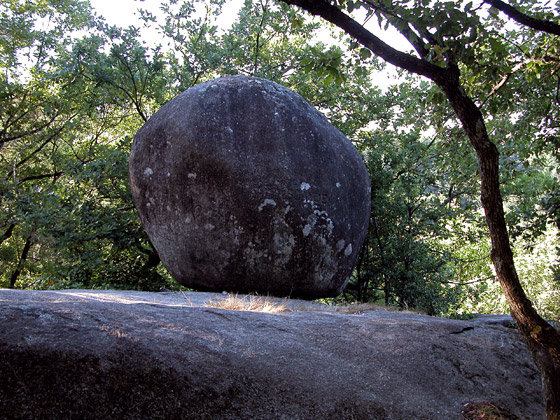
(520, 17)
(405, 29)
(408, 62)
(21, 262)
(8, 233)
(41, 146)
(27, 133)
(502, 82)
(42, 176)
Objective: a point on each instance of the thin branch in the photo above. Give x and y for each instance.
(29, 132)
(502, 82)
(416, 163)
(463, 283)
(133, 97)
(405, 30)
(42, 145)
(42, 176)
(8, 233)
(259, 33)
(21, 262)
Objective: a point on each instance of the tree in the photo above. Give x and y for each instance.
(404, 260)
(69, 105)
(37, 111)
(443, 36)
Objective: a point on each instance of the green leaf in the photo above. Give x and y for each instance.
(328, 80)
(365, 53)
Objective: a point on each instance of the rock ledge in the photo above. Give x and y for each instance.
(79, 354)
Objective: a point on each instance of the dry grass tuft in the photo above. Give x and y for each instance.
(486, 411)
(247, 303)
(255, 303)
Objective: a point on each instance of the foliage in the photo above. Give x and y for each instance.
(66, 120)
(536, 265)
(403, 260)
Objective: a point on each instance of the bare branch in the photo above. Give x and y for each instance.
(29, 132)
(520, 17)
(502, 82)
(41, 146)
(54, 175)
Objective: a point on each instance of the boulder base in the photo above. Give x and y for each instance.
(242, 186)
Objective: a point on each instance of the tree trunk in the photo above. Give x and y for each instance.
(21, 261)
(541, 338)
(550, 376)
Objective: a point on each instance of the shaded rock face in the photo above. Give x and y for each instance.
(136, 355)
(242, 185)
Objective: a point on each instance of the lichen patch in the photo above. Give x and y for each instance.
(267, 202)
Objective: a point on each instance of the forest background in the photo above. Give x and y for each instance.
(75, 90)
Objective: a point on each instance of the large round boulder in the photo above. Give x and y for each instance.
(241, 185)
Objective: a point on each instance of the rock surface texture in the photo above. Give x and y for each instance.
(242, 185)
(132, 355)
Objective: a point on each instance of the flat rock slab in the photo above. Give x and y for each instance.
(138, 355)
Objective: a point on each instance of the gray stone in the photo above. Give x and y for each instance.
(242, 185)
(81, 354)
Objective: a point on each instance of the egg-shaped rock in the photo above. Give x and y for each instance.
(243, 186)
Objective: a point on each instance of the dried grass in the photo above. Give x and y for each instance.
(255, 303)
(486, 411)
(250, 303)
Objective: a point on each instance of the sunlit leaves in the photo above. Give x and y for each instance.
(62, 164)
(189, 36)
(325, 61)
